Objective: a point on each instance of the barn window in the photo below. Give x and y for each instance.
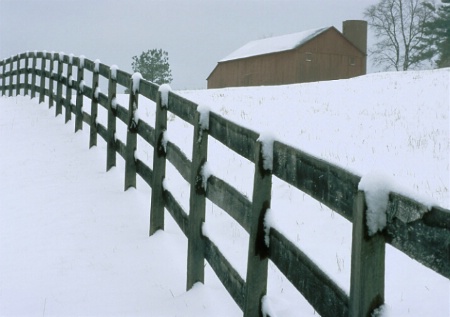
(351, 61)
(308, 57)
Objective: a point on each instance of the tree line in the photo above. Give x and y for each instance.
(410, 33)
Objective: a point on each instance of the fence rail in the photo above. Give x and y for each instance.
(422, 234)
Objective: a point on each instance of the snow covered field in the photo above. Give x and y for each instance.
(73, 243)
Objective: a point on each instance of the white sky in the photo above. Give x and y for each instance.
(195, 33)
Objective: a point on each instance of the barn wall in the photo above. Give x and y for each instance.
(331, 57)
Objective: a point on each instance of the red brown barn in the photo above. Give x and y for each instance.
(314, 55)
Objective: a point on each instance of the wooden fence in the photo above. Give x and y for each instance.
(422, 234)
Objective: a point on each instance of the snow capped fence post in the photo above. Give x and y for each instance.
(42, 78)
(51, 79)
(26, 74)
(256, 281)
(94, 105)
(33, 75)
(18, 75)
(111, 141)
(159, 167)
(58, 108)
(133, 121)
(79, 101)
(2, 63)
(367, 264)
(11, 77)
(197, 201)
(68, 102)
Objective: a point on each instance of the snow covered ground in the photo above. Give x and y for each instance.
(73, 243)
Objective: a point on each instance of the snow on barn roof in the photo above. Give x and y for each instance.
(274, 44)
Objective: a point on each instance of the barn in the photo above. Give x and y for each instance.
(313, 55)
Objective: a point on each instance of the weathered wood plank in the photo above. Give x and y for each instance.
(103, 100)
(132, 124)
(257, 259)
(73, 107)
(86, 118)
(325, 182)
(13, 85)
(3, 63)
(122, 114)
(103, 70)
(230, 200)
(42, 80)
(101, 130)
(239, 139)
(144, 171)
(321, 291)
(147, 132)
(121, 148)
(367, 264)
(94, 109)
(229, 277)
(421, 234)
(123, 78)
(68, 114)
(87, 91)
(18, 76)
(51, 81)
(177, 212)
(112, 110)
(197, 203)
(437, 217)
(183, 108)
(59, 103)
(89, 65)
(33, 75)
(79, 98)
(159, 169)
(179, 160)
(148, 90)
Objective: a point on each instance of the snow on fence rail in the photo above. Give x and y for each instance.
(420, 232)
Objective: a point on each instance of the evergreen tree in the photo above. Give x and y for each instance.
(153, 66)
(438, 32)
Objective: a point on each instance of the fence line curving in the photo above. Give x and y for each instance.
(422, 234)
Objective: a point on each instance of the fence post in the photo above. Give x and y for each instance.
(58, 107)
(367, 264)
(111, 142)
(159, 168)
(42, 81)
(197, 200)
(94, 105)
(133, 121)
(68, 101)
(51, 81)
(79, 101)
(33, 76)
(256, 281)
(26, 74)
(11, 77)
(18, 75)
(3, 76)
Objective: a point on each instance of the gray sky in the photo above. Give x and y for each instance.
(195, 33)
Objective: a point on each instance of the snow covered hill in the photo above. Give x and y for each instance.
(73, 243)
(395, 123)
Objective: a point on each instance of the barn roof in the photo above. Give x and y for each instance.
(274, 44)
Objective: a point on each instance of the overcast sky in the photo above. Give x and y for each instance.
(195, 33)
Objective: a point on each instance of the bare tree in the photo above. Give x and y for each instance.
(399, 27)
